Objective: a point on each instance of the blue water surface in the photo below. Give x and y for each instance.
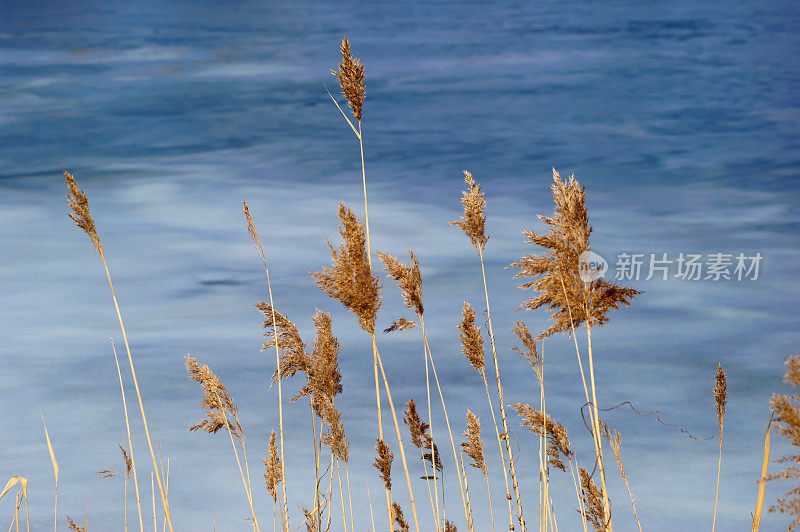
(680, 118)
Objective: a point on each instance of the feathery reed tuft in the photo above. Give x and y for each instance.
(399, 519)
(216, 401)
(449, 526)
(471, 339)
(530, 352)
(400, 324)
(787, 414)
(128, 461)
(383, 463)
(560, 286)
(592, 501)
(558, 445)
(272, 465)
(720, 396)
(72, 525)
(408, 278)
(474, 220)
(79, 204)
(293, 355)
(350, 279)
(420, 436)
(351, 79)
(473, 447)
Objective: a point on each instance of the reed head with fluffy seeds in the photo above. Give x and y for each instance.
(557, 272)
(127, 460)
(217, 403)
(293, 355)
(383, 463)
(592, 498)
(471, 339)
(399, 520)
(351, 79)
(350, 278)
(416, 427)
(79, 204)
(272, 466)
(528, 349)
(559, 447)
(408, 277)
(473, 447)
(473, 222)
(720, 396)
(400, 324)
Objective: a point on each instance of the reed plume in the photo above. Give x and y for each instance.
(471, 339)
(473, 223)
(592, 501)
(559, 447)
(408, 277)
(720, 400)
(787, 414)
(72, 525)
(613, 438)
(221, 412)
(449, 527)
(399, 519)
(273, 468)
(400, 324)
(351, 79)
(383, 463)
(473, 447)
(82, 216)
(558, 281)
(422, 439)
(350, 278)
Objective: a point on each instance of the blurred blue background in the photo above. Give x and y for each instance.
(681, 119)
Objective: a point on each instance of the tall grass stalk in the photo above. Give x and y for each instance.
(130, 443)
(252, 230)
(503, 418)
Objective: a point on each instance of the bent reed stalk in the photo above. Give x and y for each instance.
(79, 204)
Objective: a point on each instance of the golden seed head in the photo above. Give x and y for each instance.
(351, 79)
(217, 403)
(720, 395)
(272, 465)
(350, 278)
(473, 447)
(592, 498)
(400, 324)
(471, 339)
(79, 204)
(530, 352)
(408, 277)
(557, 272)
(383, 463)
(473, 222)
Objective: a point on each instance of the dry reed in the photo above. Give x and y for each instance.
(473, 223)
(81, 215)
(720, 400)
